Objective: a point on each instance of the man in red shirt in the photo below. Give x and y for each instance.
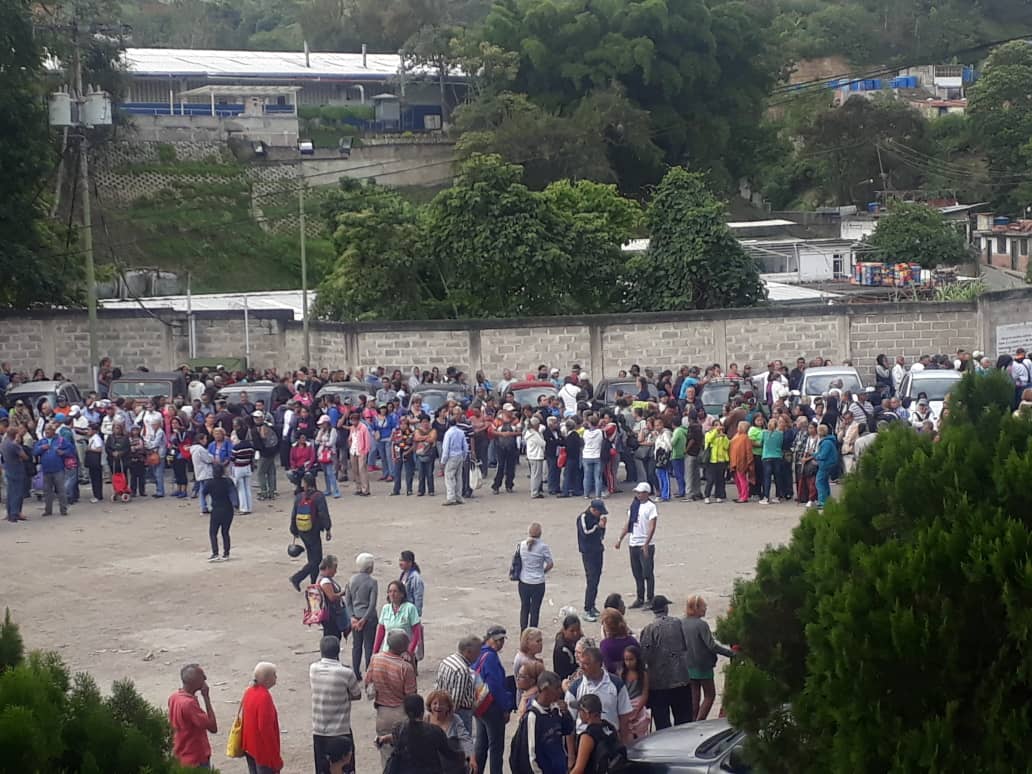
(191, 724)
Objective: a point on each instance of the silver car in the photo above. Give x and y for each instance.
(705, 747)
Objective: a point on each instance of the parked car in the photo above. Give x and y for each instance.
(32, 393)
(716, 394)
(934, 383)
(703, 747)
(149, 384)
(256, 391)
(527, 393)
(819, 380)
(433, 396)
(348, 391)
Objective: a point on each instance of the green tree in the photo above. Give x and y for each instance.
(11, 645)
(913, 232)
(37, 271)
(1000, 110)
(693, 260)
(891, 633)
(700, 69)
(376, 237)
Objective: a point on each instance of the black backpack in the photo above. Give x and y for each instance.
(609, 753)
(519, 749)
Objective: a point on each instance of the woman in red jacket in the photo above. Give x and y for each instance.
(260, 722)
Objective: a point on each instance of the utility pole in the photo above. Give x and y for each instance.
(304, 261)
(87, 219)
(881, 168)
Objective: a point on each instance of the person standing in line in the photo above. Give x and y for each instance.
(326, 453)
(692, 458)
(333, 595)
(490, 736)
(334, 687)
(220, 488)
(388, 680)
(741, 461)
(534, 443)
(640, 532)
(553, 441)
(678, 443)
(573, 478)
(454, 450)
(202, 465)
(191, 724)
(536, 559)
(14, 459)
(309, 518)
(266, 442)
(243, 459)
(610, 689)
(664, 650)
(564, 658)
(360, 598)
(702, 651)
(549, 723)
(456, 678)
(591, 535)
(827, 458)
(719, 456)
(504, 433)
(260, 721)
(52, 451)
(360, 442)
(591, 460)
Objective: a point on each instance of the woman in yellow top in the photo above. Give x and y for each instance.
(716, 449)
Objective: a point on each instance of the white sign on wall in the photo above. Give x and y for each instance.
(1010, 337)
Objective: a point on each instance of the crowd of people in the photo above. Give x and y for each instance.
(600, 694)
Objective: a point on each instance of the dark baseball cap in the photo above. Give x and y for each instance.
(599, 505)
(660, 602)
(495, 633)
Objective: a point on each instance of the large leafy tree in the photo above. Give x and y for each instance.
(35, 267)
(913, 232)
(891, 633)
(693, 260)
(1000, 110)
(701, 69)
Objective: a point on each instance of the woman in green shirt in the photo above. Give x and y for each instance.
(717, 448)
(398, 613)
(771, 440)
(756, 429)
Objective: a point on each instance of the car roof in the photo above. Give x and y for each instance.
(936, 373)
(334, 386)
(676, 744)
(151, 376)
(831, 370)
(36, 387)
(526, 385)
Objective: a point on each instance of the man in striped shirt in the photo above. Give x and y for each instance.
(389, 678)
(455, 677)
(333, 687)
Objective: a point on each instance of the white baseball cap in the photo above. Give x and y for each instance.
(643, 487)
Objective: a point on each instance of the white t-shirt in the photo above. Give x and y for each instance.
(639, 534)
(569, 396)
(592, 444)
(195, 390)
(611, 692)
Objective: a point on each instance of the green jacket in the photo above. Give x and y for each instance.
(679, 441)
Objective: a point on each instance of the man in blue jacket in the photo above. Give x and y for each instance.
(827, 458)
(51, 451)
(491, 725)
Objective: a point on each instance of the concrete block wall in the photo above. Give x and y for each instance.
(602, 344)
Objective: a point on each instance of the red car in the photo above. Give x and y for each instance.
(527, 393)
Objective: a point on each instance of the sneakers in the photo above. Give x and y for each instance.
(810, 503)
(214, 558)
(589, 616)
(637, 604)
(94, 500)
(706, 500)
(764, 501)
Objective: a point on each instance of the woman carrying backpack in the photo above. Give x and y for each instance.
(600, 742)
(308, 519)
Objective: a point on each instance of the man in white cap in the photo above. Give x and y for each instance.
(640, 532)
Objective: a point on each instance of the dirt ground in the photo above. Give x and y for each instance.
(140, 599)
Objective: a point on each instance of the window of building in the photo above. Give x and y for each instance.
(1001, 245)
(1024, 246)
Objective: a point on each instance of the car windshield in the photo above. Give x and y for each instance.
(629, 388)
(819, 384)
(31, 398)
(717, 744)
(716, 394)
(934, 389)
(140, 389)
(528, 396)
(433, 399)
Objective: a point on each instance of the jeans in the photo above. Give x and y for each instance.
(329, 470)
(319, 745)
(404, 465)
(693, 476)
(537, 476)
(592, 477)
(677, 468)
(453, 478)
(491, 739)
(643, 568)
(312, 541)
(362, 643)
(553, 475)
(16, 485)
(823, 484)
(664, 483)
(383, 449)
(219, 522)
(506, 470)
(715, 480)
(770, 471)
(267, 475)
(71, 485)
(159, 474)
(426, 475)
(666, 701)
(54, 483)
(202, 494)
(254, 768)
(531, 597)
(242, 478)
(592, 575)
